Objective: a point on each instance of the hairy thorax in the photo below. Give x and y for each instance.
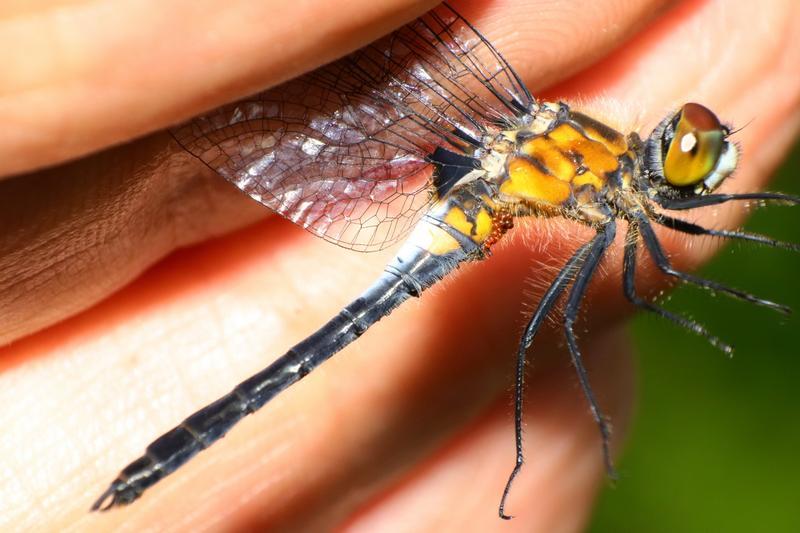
(561, 163)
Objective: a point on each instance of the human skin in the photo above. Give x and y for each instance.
(408, 429)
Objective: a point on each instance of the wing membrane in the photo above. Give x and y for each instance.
(344, 151)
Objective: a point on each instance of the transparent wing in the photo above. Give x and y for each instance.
(347, 151)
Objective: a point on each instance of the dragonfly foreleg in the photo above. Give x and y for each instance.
(692, 202)
(691, 228)
(660, 258)
(629, 288)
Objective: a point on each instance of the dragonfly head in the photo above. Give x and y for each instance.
(690, 152)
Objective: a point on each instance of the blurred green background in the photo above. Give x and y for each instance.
(715, 445)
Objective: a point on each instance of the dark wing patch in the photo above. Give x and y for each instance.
(344, 151)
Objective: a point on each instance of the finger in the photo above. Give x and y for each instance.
(555, 492)
(154, 63)
(111, 72)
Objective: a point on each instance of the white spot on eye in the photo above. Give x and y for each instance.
(688, 142)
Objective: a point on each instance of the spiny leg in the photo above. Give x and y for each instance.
(716, 199)
(542, 310)
(660, 258)
(691, 228)
(593, 258)
(629, 288)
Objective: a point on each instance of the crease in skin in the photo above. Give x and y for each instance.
(76, 233)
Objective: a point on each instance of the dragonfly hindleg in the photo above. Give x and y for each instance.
(579, 270)
(601, 243)
(549, 299)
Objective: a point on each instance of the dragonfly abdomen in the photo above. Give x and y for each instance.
(413, 270)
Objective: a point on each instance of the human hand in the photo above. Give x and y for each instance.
(83, 397)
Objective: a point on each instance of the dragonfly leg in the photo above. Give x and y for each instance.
(629, 288)
(660, 258)
(542, 310)
(692, 202)
(584, 275)
(691, 228)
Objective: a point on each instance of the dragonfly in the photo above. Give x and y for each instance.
(429, 135)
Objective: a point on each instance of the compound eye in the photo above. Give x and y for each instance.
(696, 145)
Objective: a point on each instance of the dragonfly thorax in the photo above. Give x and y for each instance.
(557, 161)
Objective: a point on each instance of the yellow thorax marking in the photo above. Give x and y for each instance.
(562, 159)
(597, 157)
(545, 150)
(527, 182)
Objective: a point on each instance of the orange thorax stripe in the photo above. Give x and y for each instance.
(547, 168)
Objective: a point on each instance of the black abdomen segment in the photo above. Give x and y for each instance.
(412, 271)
